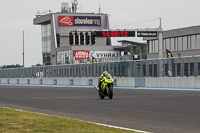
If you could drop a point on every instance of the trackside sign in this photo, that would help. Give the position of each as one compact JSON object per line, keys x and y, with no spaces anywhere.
{"x":147,"y":33}
{"x":106,"y":54}
{"x":79,"y":20}
{"x":80,"y":55}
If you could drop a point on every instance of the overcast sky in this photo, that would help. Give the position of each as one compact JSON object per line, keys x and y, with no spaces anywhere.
{"x":18,"y":15}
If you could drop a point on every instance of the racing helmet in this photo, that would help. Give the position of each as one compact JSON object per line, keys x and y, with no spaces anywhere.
{"x":105,"y":73}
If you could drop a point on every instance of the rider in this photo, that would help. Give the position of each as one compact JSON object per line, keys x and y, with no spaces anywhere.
{"x":104,"y":74}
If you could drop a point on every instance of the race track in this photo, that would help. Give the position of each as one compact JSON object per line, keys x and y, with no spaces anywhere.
{"x":158,"y":111}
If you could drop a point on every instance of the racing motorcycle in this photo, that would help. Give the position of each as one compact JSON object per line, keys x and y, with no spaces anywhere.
{"x":107,"y":84}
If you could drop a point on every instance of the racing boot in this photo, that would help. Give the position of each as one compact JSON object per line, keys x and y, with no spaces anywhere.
{"x":97,"y":88}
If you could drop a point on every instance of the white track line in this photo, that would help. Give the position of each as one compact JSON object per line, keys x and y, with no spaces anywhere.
{"x":140,"y":131}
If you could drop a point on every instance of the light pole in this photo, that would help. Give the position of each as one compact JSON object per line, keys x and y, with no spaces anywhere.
{"x":160,"y":47}
{"x":160,"y":40}
{"x":23,"y":49}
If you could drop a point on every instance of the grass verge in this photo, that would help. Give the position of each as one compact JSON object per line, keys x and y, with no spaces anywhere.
{"x":13,"y":121}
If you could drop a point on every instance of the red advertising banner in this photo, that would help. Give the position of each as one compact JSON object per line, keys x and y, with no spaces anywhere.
{"x":66,"y":20}
{"x":80,"y":55}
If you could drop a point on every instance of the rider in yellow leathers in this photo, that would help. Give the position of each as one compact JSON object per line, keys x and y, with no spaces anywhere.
{"x":101,"y":84}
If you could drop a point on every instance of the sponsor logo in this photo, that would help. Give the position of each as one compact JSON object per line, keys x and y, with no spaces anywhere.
{"x":147,"y":34}
{"x":107,"y":55}
{"x":90,"y":82}
{"x":71,"y":82}
{"x":66,"y":20}
{"x":79,"y":20}
{"x":55,"y":82}
{"x":41,"y":81}
{"x":28,"y":81}
{"x":79,"y":55}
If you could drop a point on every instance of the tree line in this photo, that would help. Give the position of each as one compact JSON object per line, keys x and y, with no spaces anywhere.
{"x":16,"y":66}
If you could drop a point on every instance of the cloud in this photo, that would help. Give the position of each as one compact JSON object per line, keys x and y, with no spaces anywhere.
{"x":17,"y":16}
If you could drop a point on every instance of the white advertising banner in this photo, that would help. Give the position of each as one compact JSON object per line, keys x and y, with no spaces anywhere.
{"x":105,"y":54}
{"x":100,"y":56}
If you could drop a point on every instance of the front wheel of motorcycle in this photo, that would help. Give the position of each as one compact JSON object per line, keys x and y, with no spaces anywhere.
{"x":101,"y":95}
{"x":110,"y":95}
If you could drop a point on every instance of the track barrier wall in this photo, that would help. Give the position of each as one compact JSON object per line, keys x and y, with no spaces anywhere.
{"x":174,"y":67}
{"x":85,"y":81}
{"x":161,"y":82}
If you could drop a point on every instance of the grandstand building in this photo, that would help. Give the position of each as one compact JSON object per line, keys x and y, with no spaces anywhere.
{"x":55,"y":28}
{"x":181,"y":42}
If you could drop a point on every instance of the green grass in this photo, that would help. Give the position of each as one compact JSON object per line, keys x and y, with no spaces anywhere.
{"x":12,"y":121}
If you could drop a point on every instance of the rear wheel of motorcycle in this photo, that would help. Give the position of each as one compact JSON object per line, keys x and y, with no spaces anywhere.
{"x":110,"y":93}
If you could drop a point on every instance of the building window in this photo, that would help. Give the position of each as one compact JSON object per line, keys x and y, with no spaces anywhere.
{"x":198,"y":41}
{"x":164,"y":45}
{"x":150,"y":46}
{"x":153,"y":46}
{"x":172,"y":44}
{"x":176,"y":44}
{"x":189,"y":42}
{"x":180,"y":43}
{"x":63,"y":57}
{"x":167,"y":44}
{"x":46,"y":43}
{"x":193,"y":42}
{"x":185,"y":43}
{"x":156,"y":46}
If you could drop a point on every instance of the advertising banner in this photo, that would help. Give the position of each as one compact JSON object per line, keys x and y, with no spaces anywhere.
{"x":55,"y":81}
{"x":80,"y":55}
{"x":41,"y":81}
{"x":28,"y":81}
{"x":147,"y":33}
{"x":105,"y":54}
{"x":79,"y":20}
{"x":89,"y":81}
{"x":71,"y":81}
{"x":115,"y":82}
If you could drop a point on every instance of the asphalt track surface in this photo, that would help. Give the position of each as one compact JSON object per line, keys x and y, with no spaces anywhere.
{"x":158,"y":111}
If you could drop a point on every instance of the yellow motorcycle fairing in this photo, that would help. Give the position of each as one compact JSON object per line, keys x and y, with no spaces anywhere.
{"x":106,"y":81}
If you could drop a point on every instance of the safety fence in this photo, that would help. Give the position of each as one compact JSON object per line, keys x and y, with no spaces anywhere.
{"x":182,"y":67}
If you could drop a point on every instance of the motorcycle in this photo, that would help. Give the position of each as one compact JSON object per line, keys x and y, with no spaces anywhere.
{"x":107,"y":85}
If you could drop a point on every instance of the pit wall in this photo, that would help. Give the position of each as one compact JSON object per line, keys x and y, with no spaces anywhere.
{"x":126,"y":82}
{"x":173,"y":82}
{"x":163,"y":82}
